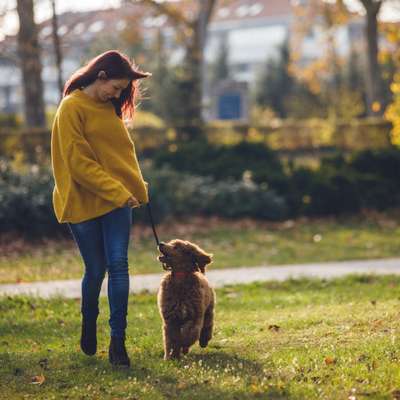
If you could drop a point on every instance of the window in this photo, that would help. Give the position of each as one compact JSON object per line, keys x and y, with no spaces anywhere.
{"x":62,"y":30}
{"x":121,"y":25}
{"x":96,"y":27}
{"x":79,"y":28}
{"x":223,"y":12}
{"x":242,"y":10}
{"x":255,"y":9}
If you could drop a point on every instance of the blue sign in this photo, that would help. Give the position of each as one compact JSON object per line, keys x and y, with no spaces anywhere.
{"x":229,"y":106}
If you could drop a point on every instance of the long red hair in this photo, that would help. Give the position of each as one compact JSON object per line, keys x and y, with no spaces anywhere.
{"x":116,"y":65}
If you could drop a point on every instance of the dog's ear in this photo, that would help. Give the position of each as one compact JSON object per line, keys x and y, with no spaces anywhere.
{"x":201,"y":258}
{"x":203,"y":261}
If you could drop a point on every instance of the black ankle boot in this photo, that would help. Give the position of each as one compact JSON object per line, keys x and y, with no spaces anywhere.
{"x":117,"y":354}
{"x":88,"y":336}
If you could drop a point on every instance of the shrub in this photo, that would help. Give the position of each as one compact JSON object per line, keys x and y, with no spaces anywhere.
{"x":26,"y":199}
{"x":178,"y":194}
{"x":9,"y":121}
{"x":333,"y":195}
{"x":369,"y":179}
{"x":225,"y":162}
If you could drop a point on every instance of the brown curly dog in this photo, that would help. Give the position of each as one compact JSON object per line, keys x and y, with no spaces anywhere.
{"x":185,"y":298}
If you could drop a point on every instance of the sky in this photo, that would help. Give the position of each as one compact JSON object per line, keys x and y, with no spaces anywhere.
{"x":43,"y":11}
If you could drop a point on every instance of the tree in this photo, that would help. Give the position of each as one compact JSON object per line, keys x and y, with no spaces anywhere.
{"x":57,"y":48}
{"x":276,"y":84}
{"x":327,"y":76}
{"x":190,"y":20}
{"x":220,"y":68}
{"x":393,"y":110}
{"x":374,"y":79}
{"x":30,"y":62}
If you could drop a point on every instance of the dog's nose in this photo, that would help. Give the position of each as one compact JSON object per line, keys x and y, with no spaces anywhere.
{"x":161,"y":244}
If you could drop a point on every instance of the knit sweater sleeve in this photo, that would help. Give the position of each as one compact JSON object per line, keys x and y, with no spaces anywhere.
{"x":80,"y":160}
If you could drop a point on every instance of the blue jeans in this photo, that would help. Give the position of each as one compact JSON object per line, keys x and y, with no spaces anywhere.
{"x":103,"y":244}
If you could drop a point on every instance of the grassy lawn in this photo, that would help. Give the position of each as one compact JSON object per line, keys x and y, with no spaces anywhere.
{"x":300,"y":339}
{"x":234,"y":244}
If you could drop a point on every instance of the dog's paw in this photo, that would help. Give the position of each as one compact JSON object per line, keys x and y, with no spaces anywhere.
{"x":173,"y":355}
{"x":204,"y":339}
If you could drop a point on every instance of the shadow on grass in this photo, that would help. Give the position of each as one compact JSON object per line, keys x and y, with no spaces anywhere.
{"x":65,"y":371}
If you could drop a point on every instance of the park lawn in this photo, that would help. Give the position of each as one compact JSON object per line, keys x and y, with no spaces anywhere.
{"x":298,"y":339}
{"x":234,"y":244}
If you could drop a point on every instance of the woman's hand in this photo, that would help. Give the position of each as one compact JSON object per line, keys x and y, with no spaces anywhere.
{"x":132,"y":202}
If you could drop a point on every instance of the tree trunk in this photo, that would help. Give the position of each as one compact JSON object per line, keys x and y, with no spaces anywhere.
{"x":57,"y":49}
{"x":374,"y":78}
{"x":194,"y":71}
{"x":193,"y":123}
{"x":29,"y":57}
{"x":192,"y":32}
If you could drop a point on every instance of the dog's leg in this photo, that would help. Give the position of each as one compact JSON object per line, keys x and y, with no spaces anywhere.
{"x":172,"y":341}
{"x":206,"y":331}
{"x":191,"y":333}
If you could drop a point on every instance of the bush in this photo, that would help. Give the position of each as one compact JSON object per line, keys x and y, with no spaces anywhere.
{"x":369,"y":179}
{"x":333,"y":195}
{"x":385,"y":164}
{"x":225,"y":162}
{"x":26,"y":199}
{"x":178,"y":194}
{"x":9,"y":121}
{"x":378,"y":179}
{"x":340,"y":186}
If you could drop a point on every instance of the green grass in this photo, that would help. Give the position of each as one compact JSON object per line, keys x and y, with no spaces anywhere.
{"x":300,"y":339}
{"x":234,"y":244}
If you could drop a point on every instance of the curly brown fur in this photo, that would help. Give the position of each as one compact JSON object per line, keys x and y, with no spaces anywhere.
{"x":185,"y":299}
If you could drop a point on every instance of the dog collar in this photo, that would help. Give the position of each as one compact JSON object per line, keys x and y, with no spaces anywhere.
{"x":181,"y":274}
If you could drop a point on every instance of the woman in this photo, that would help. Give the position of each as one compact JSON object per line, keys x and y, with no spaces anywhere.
{"x":97,"y":183}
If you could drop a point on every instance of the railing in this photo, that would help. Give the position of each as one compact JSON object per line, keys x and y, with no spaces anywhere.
{"x":287,"y":137}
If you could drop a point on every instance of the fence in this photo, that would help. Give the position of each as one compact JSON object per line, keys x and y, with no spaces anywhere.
{"x":289,"y":138}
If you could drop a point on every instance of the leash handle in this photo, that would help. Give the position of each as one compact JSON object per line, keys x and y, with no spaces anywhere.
{"x":152,"y":223}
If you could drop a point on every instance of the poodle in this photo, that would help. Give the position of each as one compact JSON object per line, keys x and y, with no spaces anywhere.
{"x":185,"y":299}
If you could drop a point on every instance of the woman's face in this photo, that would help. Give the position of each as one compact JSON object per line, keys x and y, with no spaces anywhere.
{"x":111,"y":88}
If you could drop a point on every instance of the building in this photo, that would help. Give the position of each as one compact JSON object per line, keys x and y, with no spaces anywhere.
{"x":252,"y":30}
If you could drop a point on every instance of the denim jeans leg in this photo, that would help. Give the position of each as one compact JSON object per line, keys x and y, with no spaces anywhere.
{"x":116,"y":232}
{"x":89,"y":238}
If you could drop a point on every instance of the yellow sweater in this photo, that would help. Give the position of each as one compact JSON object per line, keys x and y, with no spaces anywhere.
{"x":93,"y":158}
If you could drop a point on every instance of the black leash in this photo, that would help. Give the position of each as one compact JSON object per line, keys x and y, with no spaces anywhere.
{"x":152,"y":223}
{"x":154,"y":231}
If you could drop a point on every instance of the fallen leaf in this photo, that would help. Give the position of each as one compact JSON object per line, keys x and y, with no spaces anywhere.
{"x":274,"y":328}
{"x":38,"y":379}
{"x":181,"y":385}
{"x":330,"y":360}
{"x":396,"y":394}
